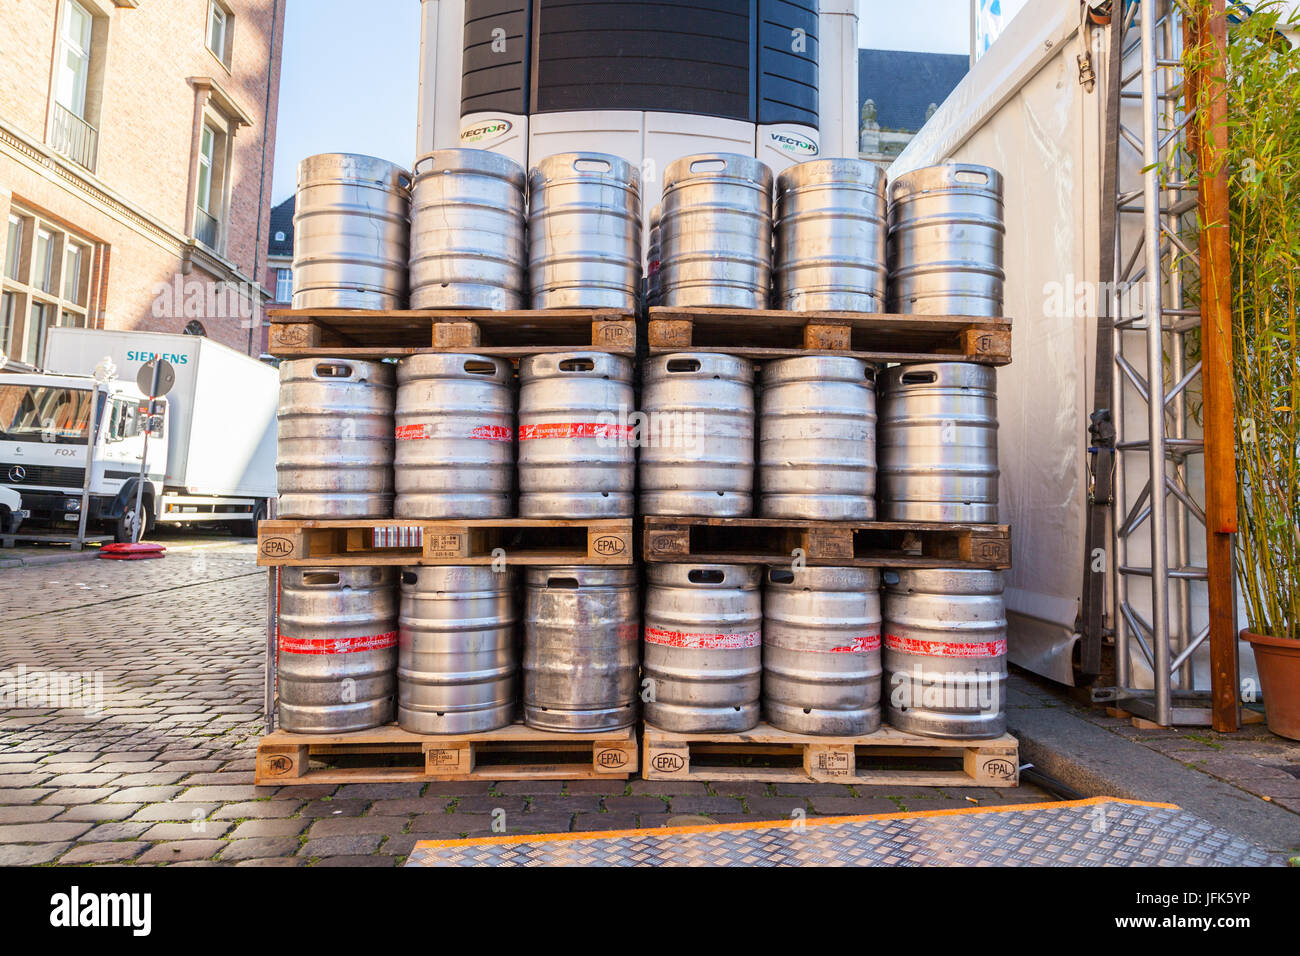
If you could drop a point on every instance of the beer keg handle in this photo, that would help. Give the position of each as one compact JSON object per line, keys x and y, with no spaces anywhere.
{"x":321,"y":580}
{"x":415,"y":170}
{"x":706,"y":576}
{"x":333,"y":371}
{"x":968,"y":175}
{"x":919,"y":377}
{"x":682,"y":365}
{"x":710,"y":164}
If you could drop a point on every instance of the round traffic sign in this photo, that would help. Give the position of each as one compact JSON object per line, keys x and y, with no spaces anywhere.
{"x":166,"y":377}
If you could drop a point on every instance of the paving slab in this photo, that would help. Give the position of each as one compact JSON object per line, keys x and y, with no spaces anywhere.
{"x":1060,"y":741}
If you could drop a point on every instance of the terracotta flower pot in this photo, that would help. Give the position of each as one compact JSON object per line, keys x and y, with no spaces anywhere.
{"x":1278,"y":660}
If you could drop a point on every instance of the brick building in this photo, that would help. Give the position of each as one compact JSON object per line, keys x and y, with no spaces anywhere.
{"x":136,"y":149}
{"x":278,"y":278}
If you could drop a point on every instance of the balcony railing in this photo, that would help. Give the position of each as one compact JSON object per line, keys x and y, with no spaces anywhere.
{"x":206,"y":229}
{"x":74,"y":137}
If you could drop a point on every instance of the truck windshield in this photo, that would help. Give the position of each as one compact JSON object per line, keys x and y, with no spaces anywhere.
{"x":44,"y":413}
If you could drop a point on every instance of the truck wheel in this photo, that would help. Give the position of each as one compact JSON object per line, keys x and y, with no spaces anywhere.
{"x":249,"y":529}
{"x":124,"y":527}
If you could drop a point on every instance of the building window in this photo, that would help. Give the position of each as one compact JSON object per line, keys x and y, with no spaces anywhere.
{"x":283,"y":285}
{"x":217,"y":119}
{"x":194,"y":327}
{"x":34,"y":339}
{"x":13,"y":247}
{"x":72,"y":259}
{"x":43,"y":261}
{"x":206,"y":225}
{"x":207,"y":145}
{"x":47,"y":282}
{"x":74,"y":58}
{"x":8,"y":303}
{"x":73,"y":132}
{"x":220,"y":25}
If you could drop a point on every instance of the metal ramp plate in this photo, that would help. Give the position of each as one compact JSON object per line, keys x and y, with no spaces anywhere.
{"x":1097,"y":832}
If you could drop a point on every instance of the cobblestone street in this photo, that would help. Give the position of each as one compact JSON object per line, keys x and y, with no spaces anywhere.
{"x":164,"y":773}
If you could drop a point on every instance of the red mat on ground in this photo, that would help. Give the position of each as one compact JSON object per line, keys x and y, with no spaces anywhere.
{"x":132,"y":552}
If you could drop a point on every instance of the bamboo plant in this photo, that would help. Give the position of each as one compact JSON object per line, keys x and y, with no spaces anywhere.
{"x":1263,"y":165}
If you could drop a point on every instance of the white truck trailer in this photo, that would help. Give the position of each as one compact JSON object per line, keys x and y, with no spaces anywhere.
{"x":211,"y":454}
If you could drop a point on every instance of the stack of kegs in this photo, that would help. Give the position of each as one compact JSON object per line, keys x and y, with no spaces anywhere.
{"x":814,"y":437}
{"x":461,"y":435}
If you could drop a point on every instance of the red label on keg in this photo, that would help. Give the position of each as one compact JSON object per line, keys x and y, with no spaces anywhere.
{"x":703,"y":642}
{"x":574,"y":430}
{"x":482,"y":432}
{"x":337,"y":645}
{"x":859,"y":645}
{"x":910,"y":645}
{"x":411,"y":432}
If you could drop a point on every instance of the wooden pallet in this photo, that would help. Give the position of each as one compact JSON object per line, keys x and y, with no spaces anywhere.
{"x":771,"y":755}
{"x":392,"y":755}
{"x":857,"y":544}
{"x":403,"y":541}
{"x":369,"y":334}
{"x":771,"y":334}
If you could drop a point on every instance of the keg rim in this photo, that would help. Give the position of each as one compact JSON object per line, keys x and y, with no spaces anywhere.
{"x":617,"y":368}
{"x":391,"y":174}
{"x":737,"y":167}
{"x":425,"y":365}
{"x":502,"y":580}
{"x":823,"y":172}
{"x":942,"y":178}
{"x":655,"y":368}
{"x":589,"y":575}
{"x":803,"y":368}
{"x":743,"y":577}
{"x":349,"y":576}
{"x":378,"y":374}
{"x":461,"y":159}
{"x":560,"y":167}
{"x":940,"y":580}
{"x":947,"y":375}
{"x":821,"y":579}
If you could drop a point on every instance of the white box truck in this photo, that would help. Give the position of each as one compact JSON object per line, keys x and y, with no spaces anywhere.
{"x":211,"y":455}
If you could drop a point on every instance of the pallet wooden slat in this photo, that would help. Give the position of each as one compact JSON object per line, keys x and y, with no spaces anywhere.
{"x":863,"y":544}
{"x":283,"y":759}
{"x":479,"y":541}
{"x":372,"y":334}
{"x":878,"y":337}
{"x":850,"y":760}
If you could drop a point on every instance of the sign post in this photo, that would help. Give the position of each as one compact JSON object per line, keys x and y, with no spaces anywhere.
{"x":155,"y":379}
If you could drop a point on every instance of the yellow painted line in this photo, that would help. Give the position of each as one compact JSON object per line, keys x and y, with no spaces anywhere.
{"x":769,"y":824}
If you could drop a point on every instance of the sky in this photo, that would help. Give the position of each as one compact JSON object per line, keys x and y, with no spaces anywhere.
{"x":931,"y":26}
{"x":350,"y":83}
